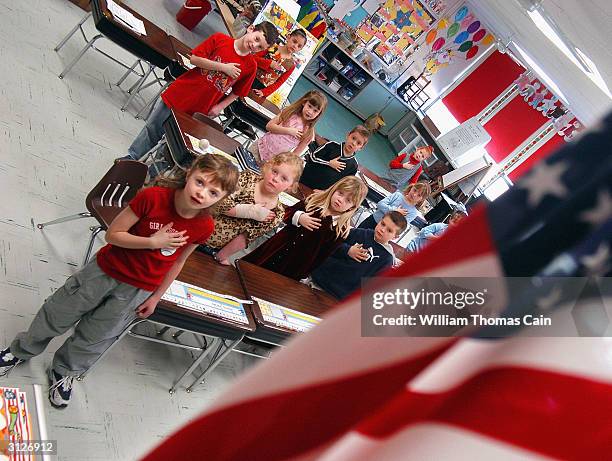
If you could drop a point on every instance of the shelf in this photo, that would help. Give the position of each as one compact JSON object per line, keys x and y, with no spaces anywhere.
{"x":333,"y":94}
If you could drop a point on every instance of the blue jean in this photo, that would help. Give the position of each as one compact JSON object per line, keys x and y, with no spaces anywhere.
{"x":152,"y":132}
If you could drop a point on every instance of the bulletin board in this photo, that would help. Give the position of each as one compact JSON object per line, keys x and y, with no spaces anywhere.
{"x":396,"y":24}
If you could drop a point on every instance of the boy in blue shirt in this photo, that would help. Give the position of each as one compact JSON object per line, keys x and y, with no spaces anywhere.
{"x":365,"y":253}
{"x":433,"y":232}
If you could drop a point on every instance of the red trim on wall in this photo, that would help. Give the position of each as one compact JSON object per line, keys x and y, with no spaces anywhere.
{"x":547,"y":148}
{"x":482,"y":86}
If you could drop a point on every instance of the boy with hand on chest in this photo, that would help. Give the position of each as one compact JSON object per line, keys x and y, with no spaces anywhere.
{"x":365,"y":253}
{"x":333,"y":161}
{"x":222,"y":64}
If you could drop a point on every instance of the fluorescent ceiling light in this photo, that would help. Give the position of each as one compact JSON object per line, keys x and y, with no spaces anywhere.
{"x":538,"y":70}
{"x":595,"y":76}
{"x":553,"y":32}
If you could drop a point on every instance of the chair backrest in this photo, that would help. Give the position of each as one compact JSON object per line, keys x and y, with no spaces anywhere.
{"x":115,"y":190}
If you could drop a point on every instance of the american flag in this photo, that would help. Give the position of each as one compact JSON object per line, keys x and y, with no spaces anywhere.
{"x":335,"y":395}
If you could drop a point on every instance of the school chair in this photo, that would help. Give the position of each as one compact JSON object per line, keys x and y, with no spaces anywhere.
{"x":108,"y":198}
{"x":237,"y":123}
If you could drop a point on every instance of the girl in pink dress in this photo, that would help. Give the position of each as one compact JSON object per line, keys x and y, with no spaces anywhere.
{"x":293,"y":129}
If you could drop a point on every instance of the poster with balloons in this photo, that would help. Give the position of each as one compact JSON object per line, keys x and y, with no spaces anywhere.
{"x":458,"y":38}
{"x":454,"y":42}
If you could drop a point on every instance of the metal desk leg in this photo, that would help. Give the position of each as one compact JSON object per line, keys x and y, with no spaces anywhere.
{"x":81,"y":53}
{"x":148,"y":107}
{"x":194,"y":365}
{"x":212,"y":365}
{"x":128,"y":72}
{"x":71,"y":33}
{"x":140,"y":83}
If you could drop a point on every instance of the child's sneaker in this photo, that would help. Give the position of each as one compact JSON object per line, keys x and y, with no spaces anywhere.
{"x":8,"y":361}
{"x":60,"y":389}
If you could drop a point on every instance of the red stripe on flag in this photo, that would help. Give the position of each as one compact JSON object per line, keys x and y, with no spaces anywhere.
{"x":287,"y":424}
{"x":469,"y":239}
{"x":555,"y":414}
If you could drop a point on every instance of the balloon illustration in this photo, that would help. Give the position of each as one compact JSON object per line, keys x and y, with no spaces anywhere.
{"x":438,"y":44}
{"x":478,"y":35}
{"x":471,"y":52}
{"x":461,"y":13}
{"x":488,"y":39}
{"x":465,"y":46}
{"x":473,"y":27}
{"x":462,"y":37}
{"x":442,"y":24}
{"x":431,"y":35}
{"x":452,"y":30}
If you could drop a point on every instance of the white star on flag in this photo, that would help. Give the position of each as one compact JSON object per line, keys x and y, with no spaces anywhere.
{"x":602,"y":210}
{"x":545,"y":180}
{"x":597,"y":263}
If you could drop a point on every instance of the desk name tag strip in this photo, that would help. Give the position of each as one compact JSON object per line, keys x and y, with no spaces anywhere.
{"x":208,"y":302}
{"x":15,"y":425}
{"x":287,"y":199}
{"x":258,"y":107}
{"x":127,"y":18}
{"x":284,"y":317}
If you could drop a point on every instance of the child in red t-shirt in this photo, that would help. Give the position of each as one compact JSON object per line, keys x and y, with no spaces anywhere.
{"x":148,"y":243}
{"x":274,"y":66}
{"x":222,"y":64}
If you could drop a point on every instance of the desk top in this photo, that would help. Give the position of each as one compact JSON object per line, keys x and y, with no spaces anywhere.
{"x":278,"y":289}
{"x":226,"y":16}
{"x":264,"y":103}
{"x":156,"y":39}
{"x":202,"y":271}
{"x":187,"y":124}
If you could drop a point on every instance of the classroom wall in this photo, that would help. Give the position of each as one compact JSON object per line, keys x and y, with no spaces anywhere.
{"x":338,"y":121}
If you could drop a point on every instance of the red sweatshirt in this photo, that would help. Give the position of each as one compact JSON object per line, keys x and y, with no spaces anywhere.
{"x":398,"y":163}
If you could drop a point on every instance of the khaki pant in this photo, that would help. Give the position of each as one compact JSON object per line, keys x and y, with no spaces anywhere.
{"x":100,"y":306}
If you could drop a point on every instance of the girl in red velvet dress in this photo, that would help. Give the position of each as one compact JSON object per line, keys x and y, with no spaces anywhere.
{"x":315,"y":228}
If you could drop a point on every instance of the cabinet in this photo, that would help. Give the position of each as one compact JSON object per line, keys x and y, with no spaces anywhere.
{"x":392,"y":114}
{"x":372,"y":99}
{"x":337,"y":73}
{"x":344,"y":79}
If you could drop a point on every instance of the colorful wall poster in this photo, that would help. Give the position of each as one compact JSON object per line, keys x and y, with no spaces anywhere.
{"x":397,"y":24}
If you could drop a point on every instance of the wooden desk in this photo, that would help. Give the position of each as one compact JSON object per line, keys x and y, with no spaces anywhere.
{"x":154,"y":47}
{"x":262,"y":101}
{"x":181,"y":150}
{"x":181,"y":52}
{"x":227,"y":17}
{"x":278,"y":289}
{"x":203,"y":272}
